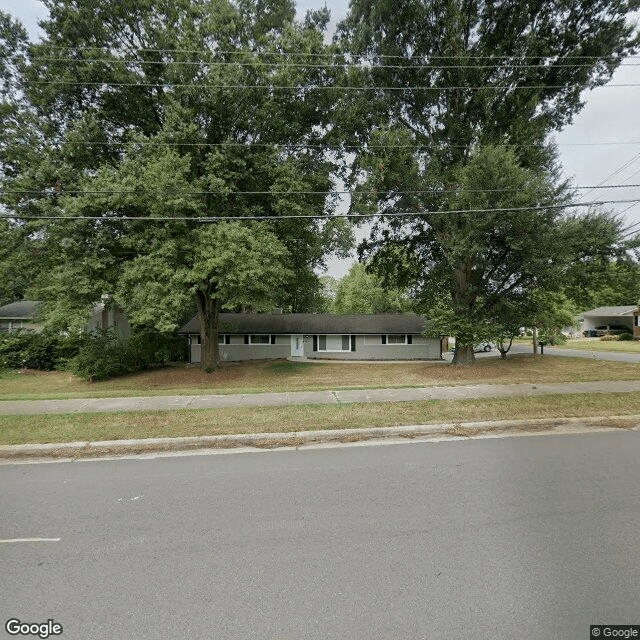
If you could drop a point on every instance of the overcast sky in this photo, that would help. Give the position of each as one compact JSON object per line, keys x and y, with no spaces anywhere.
{"x":611,"y":115}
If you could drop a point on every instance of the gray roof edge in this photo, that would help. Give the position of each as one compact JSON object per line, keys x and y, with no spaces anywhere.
{"x":611,"y":311}
{"x":19,"y":310}
{"x":289,"y":323}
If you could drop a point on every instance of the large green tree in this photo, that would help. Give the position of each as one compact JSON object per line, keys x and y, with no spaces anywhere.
{"x":362,"y":292}
{"x":450,"y":84}
{"x":605,"y":270}
{"x":175,"y":110}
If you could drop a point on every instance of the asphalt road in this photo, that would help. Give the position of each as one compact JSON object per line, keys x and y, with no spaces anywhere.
{"x":527,"y":538}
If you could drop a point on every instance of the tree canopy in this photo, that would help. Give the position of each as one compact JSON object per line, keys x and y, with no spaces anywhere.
{"x":142,"y":118}
{"x":362,"y":292}
{"x":463,"y":97}
{"x":147,"y":143}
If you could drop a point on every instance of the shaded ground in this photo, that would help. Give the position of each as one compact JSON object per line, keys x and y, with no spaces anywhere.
{"x":282,"y":375}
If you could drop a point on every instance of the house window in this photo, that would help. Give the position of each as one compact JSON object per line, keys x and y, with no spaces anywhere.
{"x":260,"y":339}
{"x":637,"y":321}
{"x":397,"y":338}
{"x":334,"y":343}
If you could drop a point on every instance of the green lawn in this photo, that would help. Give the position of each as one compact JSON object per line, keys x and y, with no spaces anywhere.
{"x":198,"y":422}
{"x":256,"y":377}
{"x":630,"y":346}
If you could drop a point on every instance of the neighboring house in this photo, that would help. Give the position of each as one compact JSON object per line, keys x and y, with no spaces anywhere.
{"x":21,"y":314}
{"x":105,"y":316}
{"x":257,"y":336}
{"x":614,"y":319}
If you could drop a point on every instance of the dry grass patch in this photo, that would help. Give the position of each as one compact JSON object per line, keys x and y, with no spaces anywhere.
{"x":281,"y":375}
{"x":155,"y":424}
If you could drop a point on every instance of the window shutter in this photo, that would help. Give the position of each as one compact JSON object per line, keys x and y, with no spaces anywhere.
{"x":353,"y":343}
{"x":409,"y":339}
{"x":246,"y":339}
{"x":315,"y":343}
{"x":384,"y":339}
{"x":227,"y":339}
{"x":273,"y":339}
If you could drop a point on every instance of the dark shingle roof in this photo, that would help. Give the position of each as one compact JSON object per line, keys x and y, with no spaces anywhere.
{"x":310,"y":323}
{"x":23,"y":309}
{"x":611,"y":311}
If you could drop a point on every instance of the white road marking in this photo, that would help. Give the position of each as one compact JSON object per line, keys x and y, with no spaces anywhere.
{"x":31,"y":540}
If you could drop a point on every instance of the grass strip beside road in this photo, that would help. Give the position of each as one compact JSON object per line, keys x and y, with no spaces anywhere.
{"x":200,"y":422}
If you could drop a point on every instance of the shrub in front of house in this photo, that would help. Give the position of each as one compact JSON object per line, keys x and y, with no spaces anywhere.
{"x":37,"y":350}
{"x":609,"y":338}
{"x":625,"y":336}
{"x":106,"y":354}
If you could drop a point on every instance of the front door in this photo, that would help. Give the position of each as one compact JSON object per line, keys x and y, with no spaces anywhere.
{"x":297,"y":346}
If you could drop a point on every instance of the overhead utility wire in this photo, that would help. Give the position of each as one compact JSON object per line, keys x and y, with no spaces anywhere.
{"x":326,"y":65}
{"x":272,"y":87}
{"x":621,"y":185}
{"x":445,"y":191}
{"x":636,"y":232}
{"x":275,"y":145}
{"x":333,"y":55}
{"x":615,"y":172}
{"x":631,"y":226}
{"x":320,"y":216}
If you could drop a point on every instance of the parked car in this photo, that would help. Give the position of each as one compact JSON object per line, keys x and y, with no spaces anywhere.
{"x":484,"y":346}
{"x":612,"y":329}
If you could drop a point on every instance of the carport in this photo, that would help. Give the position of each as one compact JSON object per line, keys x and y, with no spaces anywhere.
{"x":611,"y":320}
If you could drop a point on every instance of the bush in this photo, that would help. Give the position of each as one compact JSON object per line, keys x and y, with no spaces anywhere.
{"x":626,"y":336}
{"x":609,"y":338}
{"x":553,"y":339}
{"x":33,"y":350}
{"x":106,"y":354}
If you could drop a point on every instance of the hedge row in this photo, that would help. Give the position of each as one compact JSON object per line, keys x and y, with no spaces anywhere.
{"x":31,"y":350}
{"x":91,"y":356}
{"x":106,"y":354}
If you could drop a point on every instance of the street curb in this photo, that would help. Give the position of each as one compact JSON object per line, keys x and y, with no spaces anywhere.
{"x":75,"y":450}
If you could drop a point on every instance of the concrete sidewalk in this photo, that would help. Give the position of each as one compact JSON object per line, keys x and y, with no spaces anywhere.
{"x":168,"y":403}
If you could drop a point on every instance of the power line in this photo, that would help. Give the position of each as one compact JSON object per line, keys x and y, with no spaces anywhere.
{"x":632,"y":233}
{"x":616,"y":171}
{"x":621,"y":185}
{"x":394,"y":214}
{"x":333,"y":55}
{"x":271,"y":87}
{"x":327,"y":65}
{"x":631,"y":226}
{"x":445,"y":191}
{"x":277,"y":146}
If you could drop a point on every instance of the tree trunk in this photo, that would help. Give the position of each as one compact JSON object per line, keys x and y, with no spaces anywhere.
{"x":504,"y":350}
{"x":209,"y":315}
{"x":535,"y":341}
{"x":463,"y":354}
{"x":462,"y":303}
